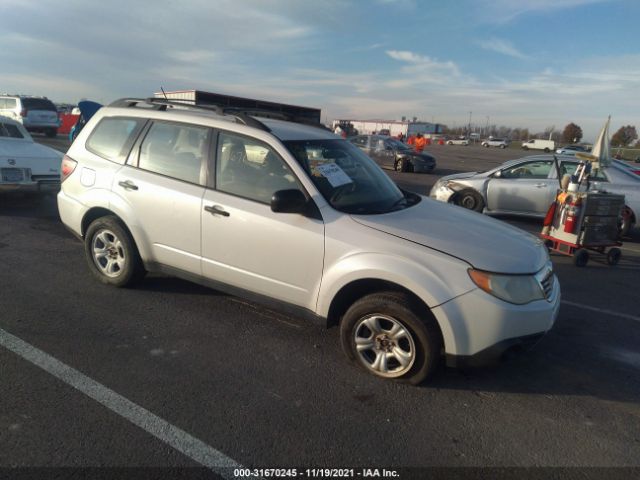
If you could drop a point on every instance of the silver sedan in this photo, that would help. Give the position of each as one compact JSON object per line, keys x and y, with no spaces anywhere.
{"x":527,"y":186}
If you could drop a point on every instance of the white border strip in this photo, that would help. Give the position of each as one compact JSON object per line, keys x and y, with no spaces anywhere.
{"x":156,"y":426}
{"x":602,"y":310}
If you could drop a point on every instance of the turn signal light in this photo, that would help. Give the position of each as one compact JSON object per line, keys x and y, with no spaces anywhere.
{"x":67,"y":167}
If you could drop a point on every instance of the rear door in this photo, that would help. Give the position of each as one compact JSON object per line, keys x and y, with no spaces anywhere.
{"x":522,"y":188}
{"x":163,"y":185}
{"x":244,"y":243}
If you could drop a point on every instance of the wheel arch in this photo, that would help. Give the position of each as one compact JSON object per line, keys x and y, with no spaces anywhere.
{"x":357,"y":289}
{"x":98,"y":212}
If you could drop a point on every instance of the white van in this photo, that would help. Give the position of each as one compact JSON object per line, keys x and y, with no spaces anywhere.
{"x":537,"y":144}
{"x":36,"y":114}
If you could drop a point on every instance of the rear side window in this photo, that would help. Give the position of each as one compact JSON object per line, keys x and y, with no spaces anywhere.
{"x":7,"y":103}
{"x":38,"y":104}
{"x":175,"y":150}
{"x":113,"y":137}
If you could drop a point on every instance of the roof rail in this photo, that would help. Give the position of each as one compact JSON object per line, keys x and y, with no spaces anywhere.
{"x":241,"y":116}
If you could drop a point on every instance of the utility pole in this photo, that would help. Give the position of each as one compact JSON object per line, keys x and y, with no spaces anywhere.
{"x":486,"y":132}
{"x":470,"y":123}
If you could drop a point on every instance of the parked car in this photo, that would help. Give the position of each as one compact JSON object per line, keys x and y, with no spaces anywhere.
{"x":389,"y":152}
{"x":458,"y":141}
{"x":527,"y":186}
{"x":572,"y":149}
{"x":495,"y":142}
{"x":26,"y":166}
{"x":36,"y":114}
{"x":537,"y":144}
{"x":292,"y":216}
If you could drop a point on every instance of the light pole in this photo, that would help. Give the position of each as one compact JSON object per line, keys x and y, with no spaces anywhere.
{"x":470,"y":123}
{"x":486,"y":130}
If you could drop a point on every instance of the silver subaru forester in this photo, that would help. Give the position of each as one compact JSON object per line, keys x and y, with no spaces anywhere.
{"x":295,"y":217}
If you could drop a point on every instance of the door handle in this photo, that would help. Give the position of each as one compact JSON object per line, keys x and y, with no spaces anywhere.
{"x":128,"y":185}
{"x":541,"y":185}
{"x":216,"y":210}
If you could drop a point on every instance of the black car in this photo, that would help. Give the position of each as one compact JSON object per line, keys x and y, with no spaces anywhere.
{"x":390,"y":152}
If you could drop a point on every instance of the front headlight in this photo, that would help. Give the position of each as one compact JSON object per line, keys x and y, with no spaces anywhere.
{"x":518,"y":289}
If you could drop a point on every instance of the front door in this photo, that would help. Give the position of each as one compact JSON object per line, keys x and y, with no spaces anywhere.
{"x":244,"y":243}
{"x":522,"y":188}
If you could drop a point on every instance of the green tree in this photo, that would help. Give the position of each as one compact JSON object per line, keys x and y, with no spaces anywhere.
{"x":572,"y":133}
{"x":624,"y":136}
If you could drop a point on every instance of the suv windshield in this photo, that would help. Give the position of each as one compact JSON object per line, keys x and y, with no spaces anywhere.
{"x":349,"y":180}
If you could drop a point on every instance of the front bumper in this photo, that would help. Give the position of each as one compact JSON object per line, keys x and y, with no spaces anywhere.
{"x":478,"y":329}
{"x":423,"y":167}
{"x":441,"y":193}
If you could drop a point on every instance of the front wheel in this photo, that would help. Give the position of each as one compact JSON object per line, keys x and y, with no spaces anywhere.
{"x":503,"y":146}
{"x":525,"y":148}
{"x":470,"y":199}
{"x":402,"y":165}
{"x":390,"y":336}
{"x":112,"y":254}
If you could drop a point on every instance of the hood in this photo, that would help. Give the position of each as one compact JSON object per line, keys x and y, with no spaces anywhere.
{"x":42,"y":160}
{"x":483,"y":242}
{"x":458,"y":176}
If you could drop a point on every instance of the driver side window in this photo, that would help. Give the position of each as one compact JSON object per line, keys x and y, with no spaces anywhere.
{"x":250,"y":169}
{"x":531,"y":170}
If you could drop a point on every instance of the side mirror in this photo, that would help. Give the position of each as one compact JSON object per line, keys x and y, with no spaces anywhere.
{"x":498,"y":174}
{"x":288,"y":201}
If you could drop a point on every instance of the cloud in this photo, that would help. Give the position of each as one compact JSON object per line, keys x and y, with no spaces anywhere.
{"x":502,"y":11}
{"x":433,"y":68}
{"x":501,"y":46}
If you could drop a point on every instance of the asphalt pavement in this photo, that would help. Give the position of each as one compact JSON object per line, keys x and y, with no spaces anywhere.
{"x":267,"y":390}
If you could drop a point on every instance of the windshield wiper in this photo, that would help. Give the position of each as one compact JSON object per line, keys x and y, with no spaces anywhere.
{"x":400,"y":202}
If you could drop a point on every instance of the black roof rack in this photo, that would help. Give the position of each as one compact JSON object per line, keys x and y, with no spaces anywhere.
{"x":161,"y":104}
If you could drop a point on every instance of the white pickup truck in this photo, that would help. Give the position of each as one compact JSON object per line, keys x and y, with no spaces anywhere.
{"x":536,"y":144}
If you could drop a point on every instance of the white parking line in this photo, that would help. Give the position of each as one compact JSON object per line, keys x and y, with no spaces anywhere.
{"x":156,"y":426}
{"x":602,"y":310}
{"x":630,"y":249}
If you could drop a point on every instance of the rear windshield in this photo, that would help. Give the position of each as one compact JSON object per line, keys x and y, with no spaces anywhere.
{"x":38,"y":104}
{"x":10,"y":130}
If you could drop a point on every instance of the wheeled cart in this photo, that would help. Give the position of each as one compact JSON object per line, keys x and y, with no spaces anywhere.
{"x":585,"y":222}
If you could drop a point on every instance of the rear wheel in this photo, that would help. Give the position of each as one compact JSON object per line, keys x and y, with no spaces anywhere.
{"x":503,"y":146}
{"x":546,"y":150}
{"x":390,"y":336}
{"x":112,"y":254}
{"x":580,"y":257}
{"x":613,"y":256}
{"x":470,"y":199}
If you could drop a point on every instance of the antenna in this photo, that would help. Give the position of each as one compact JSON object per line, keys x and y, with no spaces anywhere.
{"x":163,"y":92}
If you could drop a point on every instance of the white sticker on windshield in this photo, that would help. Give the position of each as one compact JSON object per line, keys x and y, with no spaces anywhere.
{"x":334,"y":174}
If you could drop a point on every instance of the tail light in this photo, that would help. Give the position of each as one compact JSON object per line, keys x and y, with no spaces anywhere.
{"x":23,"y":112}
{"x":67,"y":167}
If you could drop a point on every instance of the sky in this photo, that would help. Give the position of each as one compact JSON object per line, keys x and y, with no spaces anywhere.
{"x":519,"y":63}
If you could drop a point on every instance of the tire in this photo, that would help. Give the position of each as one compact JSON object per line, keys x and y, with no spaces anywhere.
{"x":580,"y":257}
{"x":411,"y":356}
{"x":449,"y":143}
{"x":401,"y":165}
{"x":470,"y":199}
{"x":613,"y":256}
{"x":503,"y":146}
{"x":525,"y":148}
{"x":486,"y":145}
{"x":112,"y":254}
{"x":51,"y":132}
{"x":626,"y":223}
{"x":546,"y":150}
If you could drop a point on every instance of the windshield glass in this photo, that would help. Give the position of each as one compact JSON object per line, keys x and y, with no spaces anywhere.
{"x":397,"y":144}
{"x":349,"y":180}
